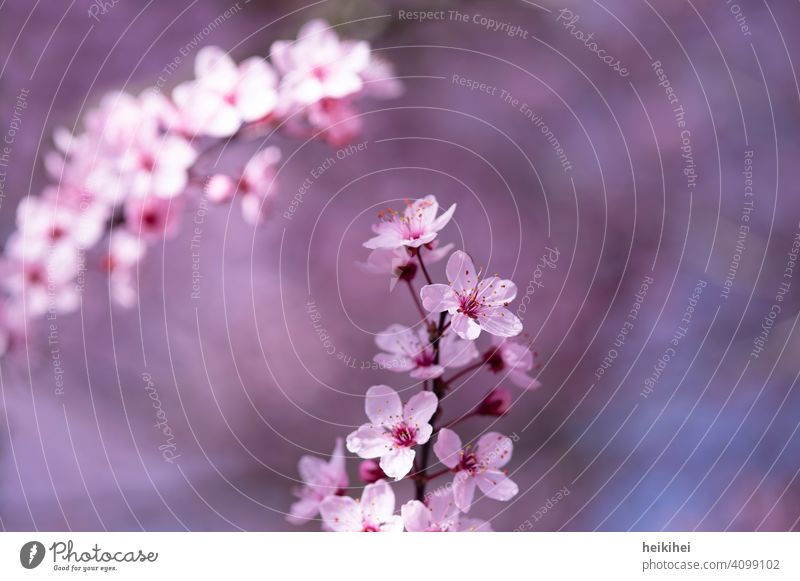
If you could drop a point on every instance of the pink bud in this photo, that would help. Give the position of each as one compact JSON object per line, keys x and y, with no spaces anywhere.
{"x":496,"y":403}
{"x":370,"y":471}
{"x":220,"y":188}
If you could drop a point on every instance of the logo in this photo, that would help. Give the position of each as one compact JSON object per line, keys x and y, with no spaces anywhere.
{"x":31,"y":554}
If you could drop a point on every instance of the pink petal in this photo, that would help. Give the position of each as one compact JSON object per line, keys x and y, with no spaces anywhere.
{"x":448,"y":448}
{"x":369,"y":441}
{"x":523,"y":380}
{"x":465,"y":327}
{"x":416,"y":516}
{"x":501,"y":322}
{"x":420,"y":408}
{"x":377,"y":502}
{"x":461,"y":273}
{"x":256,"y":96}
{"x":494,"y":450}
{"x":312,"y":469}
{"x":396,"y":363}
{"x":397,"y":463}
{"x":216,"y":68}
{"x":495,"y":484}
{"x":303,"y":511}
{"x":463,"y":491}
{"x":497,"y":292}
{"x":341,"y":514}
{"x":399,"y":339}
{"x":442,"y":220}
{"x":383,"y":405}
{"x":438,"y":297}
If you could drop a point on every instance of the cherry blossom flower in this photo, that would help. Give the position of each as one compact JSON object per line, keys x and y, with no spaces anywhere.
{"x":42,"y":276}
{"x":474,"y":304}
{"x":393,"y":430}
{"x":224,"y":95}
{"x":401,"y":264}
{"x":374,"y":512}
{"x":438,"y":513}
{"x":379,"y":79}
{"x":47,"y":220}
{"x":319,"y":65}
{"x":479,"y":466}
{"x":152,"y":218}
{"x":513,"y":358}
{"x":411,"y":351}
{"x":125,"y":252}
{"x":320,"y":480}
{"x":254,"y":186}
{"x":496,"y":403}
{"x":416,"y":226}
{"x":157,"y":164}
{"x":336,"y":121}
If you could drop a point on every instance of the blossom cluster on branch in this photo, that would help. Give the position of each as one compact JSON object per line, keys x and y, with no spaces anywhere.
{"x":396,"y":441}
{"x":120,"y":183}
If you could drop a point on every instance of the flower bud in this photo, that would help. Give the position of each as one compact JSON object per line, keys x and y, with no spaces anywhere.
{"x":496,"y":403}
{"x":370,"y":471}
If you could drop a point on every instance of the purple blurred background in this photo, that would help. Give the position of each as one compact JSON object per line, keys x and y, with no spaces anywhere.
{"x":702,"y":436}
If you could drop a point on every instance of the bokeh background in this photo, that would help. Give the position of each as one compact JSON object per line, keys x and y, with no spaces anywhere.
{"x":242,"y":376}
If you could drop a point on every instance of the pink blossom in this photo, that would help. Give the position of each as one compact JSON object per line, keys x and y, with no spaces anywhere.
{"x":514,"y":360}
{"x":41,"y":276}
{"x":496,"y":403}
{"x":48,"y":220}
{"x":438,"y":513}
{"x":125,"y":252}
{"x":336,"y":121}
{"x":393,"y":430}
{"x":374,"y":512}
{"x":370,"y":471}
{"x":380,"y":80}
{"x":224,"y":95}
{"x":479,"y":466}
{"x":254,"y":185}
{"x":416,"y":226}
{"x":401,"y":263}
{"x":319,"y":65}
{"x":151,"y":217}
{"x":320,"y":480}
{"x":157,"y":164}
{"x":411,"y":351}
{"x":474,"y":304}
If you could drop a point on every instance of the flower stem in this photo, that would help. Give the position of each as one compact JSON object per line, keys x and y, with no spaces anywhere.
{"x":416,"y":299}
{"x":422,"y":265}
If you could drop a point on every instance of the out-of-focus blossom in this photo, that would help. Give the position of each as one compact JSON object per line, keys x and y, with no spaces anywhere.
{"x":157,"y":164}
{"x":254,"y":186}
{"x":411,"y":351}
{"x":416,"y":226}
{"x":514,"y":360}
{"x":401,"y":263}
{"x":374,"y":512}
{"x":224,"y":96}
{"x":370,"y":471}
{"x":394,"y":430}
{"x":152,"y":218}
{"x":125,"y":252}
{"x":41,"y":276}
{"x":479,"y":466}
{"x":46,"y":220}
{"x":320,"y":480}
{"x":496,"y":403}
{"x":318,"y":65}
{"x":379,"y":79}
{"x":474,"y":304}
{"x":336,"y":120}
{"x":438,"y":513}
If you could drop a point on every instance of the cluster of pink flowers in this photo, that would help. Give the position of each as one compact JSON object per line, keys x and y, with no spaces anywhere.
{"x":396,"y":440}
{"x":120,"y":183}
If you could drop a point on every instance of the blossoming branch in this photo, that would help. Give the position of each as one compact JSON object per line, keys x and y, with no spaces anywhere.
{"x":400,"y":436}
{"x":121,"y":182}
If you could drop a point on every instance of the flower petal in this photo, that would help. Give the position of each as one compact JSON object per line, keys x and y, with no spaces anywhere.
{"x":465,"y":327}
{"x":377,"y":502}
{"x":369,"y":441}
{"x":495,"y":484}
{"x":461,"y":273}
{"x":500,"y":321}
{"x":397,"y":463}
{"x":463,"y":491}
{"x":448,"y":448}
{"x":416,"y":516}
{"x":420,"y":408}
{"x":341,"y":514}
{"x":438,"y":297}
{"x":494,"y":450}
{"x":383,"y":405}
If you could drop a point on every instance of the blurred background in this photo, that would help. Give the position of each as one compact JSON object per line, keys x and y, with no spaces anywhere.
{"x":676,"y":420}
